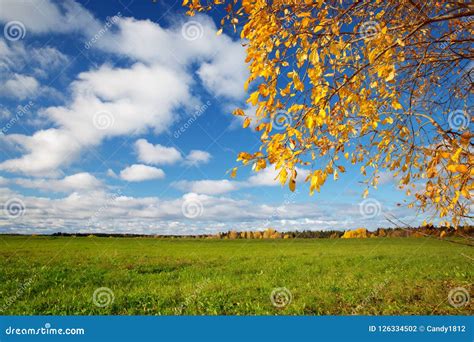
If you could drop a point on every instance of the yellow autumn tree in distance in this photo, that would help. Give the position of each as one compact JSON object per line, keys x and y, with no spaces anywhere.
{"x":385,"y":85}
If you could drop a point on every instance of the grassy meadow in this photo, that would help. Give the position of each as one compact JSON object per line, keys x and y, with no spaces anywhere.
{"x":152,"y":276}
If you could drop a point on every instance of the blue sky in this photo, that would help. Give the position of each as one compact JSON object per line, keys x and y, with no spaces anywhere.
{"x":116,"y":118}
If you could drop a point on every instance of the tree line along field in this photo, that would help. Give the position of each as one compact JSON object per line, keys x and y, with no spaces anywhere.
{"x":147,"y":276}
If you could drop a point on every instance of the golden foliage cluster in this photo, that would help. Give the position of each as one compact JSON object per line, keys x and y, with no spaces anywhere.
{"x":359,"y":233}
{"x":372,"y":83}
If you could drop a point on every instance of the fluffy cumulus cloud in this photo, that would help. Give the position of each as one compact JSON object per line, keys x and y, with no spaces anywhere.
{"x":266,"y":177}
{"x":220,"y":60}
{"x":192,"y":213}
{"x":196,"y":157}
{"x":115,"y":101}
{"x":25,"y":70}
{"x":207,"y":186}
{"x":46,"y":16}
{"x":163,"y":155}
{"x":140,"y":173}
{"x":16,"y":57}
{"x":106,"y":102}
{"x":269,"y":177}
{"x":80,"y":182}
{"x":156,"y":154}
{"x":20,"y":87}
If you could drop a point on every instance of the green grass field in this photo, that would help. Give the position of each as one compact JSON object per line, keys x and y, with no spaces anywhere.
{"x":149,"y":276}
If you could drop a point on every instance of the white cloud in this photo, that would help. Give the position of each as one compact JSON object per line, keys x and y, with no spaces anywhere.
{"x":140,"y":172}
{"x":5,"y":113}
{"x":264,"y":177}
{"x":46,"y":150}
{"x":46,"y":16}
{"x":20,"y":87}
{"x":161,"y":155}
{"x":130,"y":100}
{"x":111,"y":173}
{"x":78,"y":182}
{"x":23,"y":68}
{"x":196,"y":157}
{"x":207,"y":186}
{"x":98,"y":211}
{"x":221,"y":67}
{"x":156,"y":154}
{"x":387,"y":177}
{"x":106,"y":102}
{"x":14,"y":56}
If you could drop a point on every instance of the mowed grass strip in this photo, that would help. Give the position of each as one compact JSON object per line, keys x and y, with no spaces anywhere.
{"x":151,"y":276}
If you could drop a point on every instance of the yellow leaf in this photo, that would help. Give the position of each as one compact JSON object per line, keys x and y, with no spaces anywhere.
{"x":390,"y":76}
{"x":246,"y":123}
{"x":292,"y":184}
{"x":253,"y":99}
{"x":457,"y":168}
{"x":396,"y":105}
{"x":282,"y":176}
{"x":238,"y":112}
{"x":218,"y":33}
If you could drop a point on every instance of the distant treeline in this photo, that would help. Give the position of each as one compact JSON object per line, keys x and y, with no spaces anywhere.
{"x":270,"y":233}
